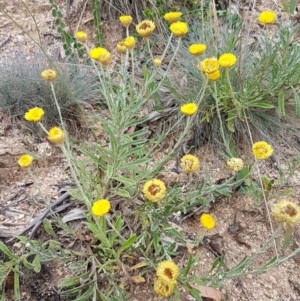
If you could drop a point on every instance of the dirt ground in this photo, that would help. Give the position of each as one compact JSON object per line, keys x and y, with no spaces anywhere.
{"x":23,"y":197}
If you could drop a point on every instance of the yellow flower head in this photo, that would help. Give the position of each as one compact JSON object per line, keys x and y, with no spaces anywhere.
{"x":190,"y":163}
{"x":101,"y":207}
{"x":197,"y":49}
{"x":129,"y":42}
{"x":267,"y":17}
{"x":34,"y":114}
{"x":179,"y":29}
{"x":262,"y":150}
{"x":286,"y":213}
{"x":121,"y":47}
{"x":48,"y":75}
{"x":167,"y":271}
{"x":155,"y":190}
{"x":125,"y":20}
{"x":213,"y":76}
{"x":157,"y":62}
{"x":56,"y":135}
{"x":172,"y":17}
{"x":145,"y":28}
{"x":235,"y":164}
{"x":209,"y":65}
{"x":100,"y":55}
{"x":81,"y":36}
{"x":189,"y":109}
{"x":25,"y":160}
{"x":207,"y":221}
{"x":227,"y":60}
{"x":164,"y":289}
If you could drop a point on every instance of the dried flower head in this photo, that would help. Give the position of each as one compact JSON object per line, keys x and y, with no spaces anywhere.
{"x":49,"y":75}
{"x":197,"y":49}
{"x":100,"y":55}
{"x":227,"y":60}
{"x":172,"y":17}
{"x":213,"y":76}
{"x":25,"y":160}
{"x":167,"y":271}
{"x":34,"y":114}
{"x":235,"y":164}
{"x":207,"y":221}
{"x":179,"y":29}
{"x":262,"y":150}
{"x":157,"y":62}
{"x":189,"y":109}
{"x":190,"y":163}
{"x":164,"y":289}
{"x":209,"y":65}
{"x":154,"y":190}
{"x":129,"y":42}
{"x":145,"y":28}
{"x":125,"y":20}
{"x":286,"y":213}
{"x":81,"y":36}
{"x":101,"y":207}
{"x":56,"y":135}
{"x":267,"y":17}
{"x":121,"y":47}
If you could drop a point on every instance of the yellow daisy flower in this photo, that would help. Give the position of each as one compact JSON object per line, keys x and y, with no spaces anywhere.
{"x":235,"y":164}
{"x":145,"y":28}
{"x":56,"y":135}
{"x":101,"y":207}
{"x":25,"y":160}
{"x":34,"y":114}
{"x":101,"y":55}
{"x":262,"y":150}
{"x":162,"y":288}
{"x":172,"y":17}
{"x":189,"y":163}
{"x":48,"y":75}
{"x":125,"y":20}
{"x":81,"y":36}
{"x":154,"y":190}
{"x":207,"y":221}
{"x":189,"y":109}
{"x":129,"y":42}
{"x":267,"y":17}
{"x":197,"y":49}
{"x":179,"y":29}
{"x":167,"y":271}
{"x":121,"y":47}
{"x":209,"y":65}
{"x":157,"y":62}
{"x":213,"y":76}
{"x":227,"y":60}
{"x":286,"y":213}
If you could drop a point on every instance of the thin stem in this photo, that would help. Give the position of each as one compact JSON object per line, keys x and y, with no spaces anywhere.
{"x":167,"y":47}
{"x":220,"y":120}
{"x":261,"y":184}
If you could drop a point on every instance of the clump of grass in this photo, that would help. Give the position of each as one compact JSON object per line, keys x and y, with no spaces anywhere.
{"x":22,"y":87}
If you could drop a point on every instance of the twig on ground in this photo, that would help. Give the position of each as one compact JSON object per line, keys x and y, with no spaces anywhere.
{"x":5,"y":41}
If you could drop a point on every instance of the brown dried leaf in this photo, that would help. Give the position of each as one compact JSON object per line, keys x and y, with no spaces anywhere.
{"x":208,"y":292}
{"x":138,"y":265}
{"x":138,"y":279}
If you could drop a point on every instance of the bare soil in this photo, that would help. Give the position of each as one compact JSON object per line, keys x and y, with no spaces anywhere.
{"x":21,"y":200}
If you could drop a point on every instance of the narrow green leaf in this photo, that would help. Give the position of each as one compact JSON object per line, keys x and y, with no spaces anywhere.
{"x":124,"y":180}
{"x":48,"y":227}
{"x":293,"y":4}
{"x":270,"y":262}
{"x":127,"y":244}
{"x":281,"y":109}
{"x":122,"y":192}
{"x":17,"y":283}
{"x":297,"y":103}
{"x":7,"y":252}
{"x":36,"y":263}
{"x":285,"y":5}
